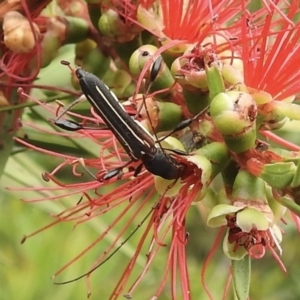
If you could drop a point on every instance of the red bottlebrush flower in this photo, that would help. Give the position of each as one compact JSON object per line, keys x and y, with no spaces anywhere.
{"x":20,"y":64}
{"x":166,"y":214}
{"x":192,"y":21}
{"x":270,"y":50}
{"x":25,"y":48}
{"x":121,"y":185}
{"x":21,"y":44}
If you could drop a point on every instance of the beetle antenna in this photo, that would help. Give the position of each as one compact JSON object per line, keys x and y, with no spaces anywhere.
{"x":113,"y":253}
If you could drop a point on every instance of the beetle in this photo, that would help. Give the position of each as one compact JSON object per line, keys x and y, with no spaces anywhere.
{"x":134,"y":138}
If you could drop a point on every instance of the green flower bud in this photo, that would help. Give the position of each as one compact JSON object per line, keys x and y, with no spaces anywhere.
{"x":125,"y":49}
{"x":214,"y":78}
{"x":188,"y":73}
{"x":234,"y":115}
{"x":273,"y":116}
{"x":278,"y":175}
{"x":140,"y":57}
{"x":241,"y":143}
{"x":204,"y":165}
{"x":164,"y":78}
{"x":249,"y":188}
{"x":260,"y":97}
{"x":83,"y":48}
{"x":195,"y":99}
{"x":233,"y":112}
{"x":121,"y":81}
{"x":169,"y":116}
{"x":51,"y":42}
{"x":77,"y":30}
{"x":111,"y":25}
{"x":165,"y":187}
{"x":229,"y":174}
{"x":172,"y":143}
{"x":96,"y":62}
{"x":284,"y":109}
{"x":218,"y":155}
{"x":164,"y":116}
{"x":176,"y":70}
{"x":231,"y":75}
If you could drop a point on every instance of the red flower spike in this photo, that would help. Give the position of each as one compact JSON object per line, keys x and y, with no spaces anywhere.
{"x":165,"y":208}
{"x":270,"y":51}
{"x":14,"y":64}
{"x":108,"y":251}
{"x":192,"y":21}
{"x":17,"y":68}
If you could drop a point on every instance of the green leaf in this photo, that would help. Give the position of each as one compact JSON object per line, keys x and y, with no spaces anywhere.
{"x":241,"y":271}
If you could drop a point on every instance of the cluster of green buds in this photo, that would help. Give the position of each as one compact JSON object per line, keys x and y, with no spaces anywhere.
{"x":202,"y":107}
